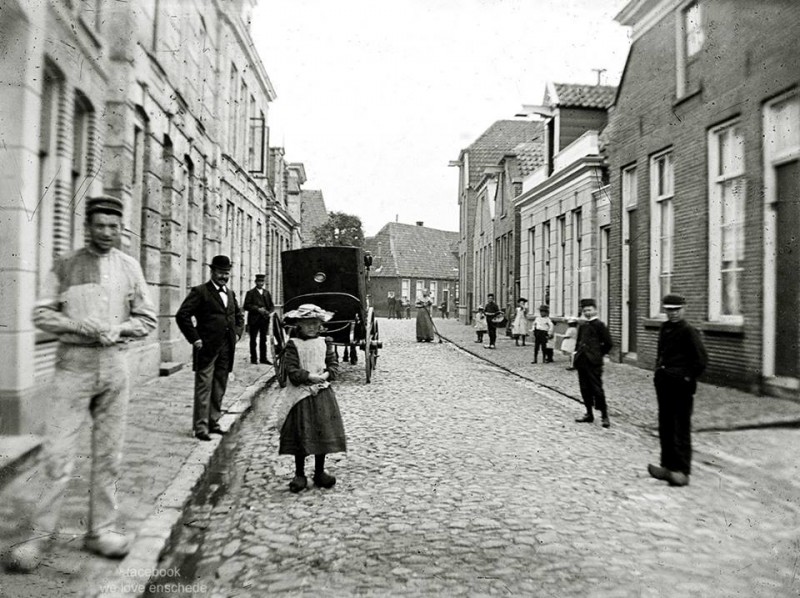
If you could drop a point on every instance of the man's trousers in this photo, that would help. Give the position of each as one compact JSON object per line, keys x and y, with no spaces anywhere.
{"x":260,"y":332}
{"x":590,"y":380}
{"x":88,"y":381}
{"x":210,"y":384}
{"x":675,"y":403}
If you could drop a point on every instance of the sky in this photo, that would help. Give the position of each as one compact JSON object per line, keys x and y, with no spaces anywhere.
{"x":375,"y":97}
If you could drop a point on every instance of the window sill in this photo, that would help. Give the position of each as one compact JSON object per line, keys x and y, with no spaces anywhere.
{"x":722,"y":328}
{"x":687,"y":96}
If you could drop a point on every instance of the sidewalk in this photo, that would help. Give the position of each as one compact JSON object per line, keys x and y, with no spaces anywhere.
{"x":162,"y":463}
{"x":629,"y":389}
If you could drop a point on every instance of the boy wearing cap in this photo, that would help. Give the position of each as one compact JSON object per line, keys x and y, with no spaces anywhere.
{"x":543,"y":329}
{"x":680,"y":359}
{"x":95,"y":301}
{"x":220,"y":324}
{"x":593,"y":343}
{"x":258,"y":305}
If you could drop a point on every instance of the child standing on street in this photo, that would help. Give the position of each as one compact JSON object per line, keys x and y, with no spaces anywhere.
{"x":480,"y":324}
{"x":543,"y":328}
{"x":569,"y":341}
{"x":308,"y":415}
{"x":519,"y":329}
{"x":593,"y":343}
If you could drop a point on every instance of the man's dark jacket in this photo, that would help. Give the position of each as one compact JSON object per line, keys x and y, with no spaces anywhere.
{"x":592,"y":343}
{"x":216,"y":324}
{"x":252,"y":301}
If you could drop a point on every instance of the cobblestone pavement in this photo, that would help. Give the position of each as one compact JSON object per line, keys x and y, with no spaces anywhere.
{"x":464,"y":480}
{"x":158,"y":441}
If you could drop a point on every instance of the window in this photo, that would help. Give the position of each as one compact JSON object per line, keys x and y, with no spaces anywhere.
{"x":81,"y":168}
{"x":405,"y":288}
{"x":258,"y":144}
{"x":532,"y":266}
{"x":433,"y":289}
{"x":726,"y":213}
{"x":420,"y":289}
{"x":546,"y":264}
{"x":561,"y":304}
{"x":233,"y":108}
{"x":630,"y":256}
{"x":690,"y":38}
{"x":577,"y":253}
{"x":605,"y":272}
{"x":693,"y":29}
{"x":661,"y":229}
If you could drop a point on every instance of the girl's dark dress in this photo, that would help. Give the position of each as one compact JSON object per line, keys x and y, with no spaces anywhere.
{"x":314,"y":425}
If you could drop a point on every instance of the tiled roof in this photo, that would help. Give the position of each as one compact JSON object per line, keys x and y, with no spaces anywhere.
{"x":312,"y":213}
{"x":580,"y":96}
{"x":410,"y":251}
{"x":530,"y":156}
{"x":498,"y":140}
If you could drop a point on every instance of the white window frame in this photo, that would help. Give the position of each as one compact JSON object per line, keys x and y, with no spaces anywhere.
{"x":660,"y":196}
{"x":405,"y":288}
{"x":434,"y":287}
{"x":689,"y":41}
{"x":724,"y":171}
{"x":577,"y":257}
{"x":419,"y":290}
{"x":630,"y":199}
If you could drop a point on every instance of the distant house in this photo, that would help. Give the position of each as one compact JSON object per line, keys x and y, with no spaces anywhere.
{"x":408,"y":259}
{"x":312,"y":214}
{"x":484,"y":153}
{"x":564,"y":208}
{"x":704,"y":157}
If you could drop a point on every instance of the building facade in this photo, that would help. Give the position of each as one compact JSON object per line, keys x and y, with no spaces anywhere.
{"x":409,"y":259}
{"x":564,"y":208}
{"x":484,"y":153}
{"x":163,"y":104}
{"x":704,"y":157}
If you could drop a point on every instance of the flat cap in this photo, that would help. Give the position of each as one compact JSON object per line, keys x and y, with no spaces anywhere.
{"x":673,"y":301}
{"x":105,"y":204}
{"x":261,"y":277}
{"x":588,"y":302}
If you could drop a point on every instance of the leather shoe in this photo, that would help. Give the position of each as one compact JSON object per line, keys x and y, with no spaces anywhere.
{"x":110,"y":544}
{"x":266,"y":362}
{"x":677,"y":478}
{"x":298,"y":483}
{"x":606,"y":422}
{"x":658,"y":472}
{"x":254,"y":361}
{"x":217,"y":430}
{"x":324,"y":480}
{"x":586,"y":419}
{"x":201,"y":435}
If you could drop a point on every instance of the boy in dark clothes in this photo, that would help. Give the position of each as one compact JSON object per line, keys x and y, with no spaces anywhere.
{"x":594,"y":342}
{"x":680,"y":359}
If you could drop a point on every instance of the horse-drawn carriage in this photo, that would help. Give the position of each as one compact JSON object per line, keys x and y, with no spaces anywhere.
{"x":336,"y":279}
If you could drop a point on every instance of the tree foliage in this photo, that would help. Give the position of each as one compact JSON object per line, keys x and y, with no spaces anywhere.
{"x":343,"y":230}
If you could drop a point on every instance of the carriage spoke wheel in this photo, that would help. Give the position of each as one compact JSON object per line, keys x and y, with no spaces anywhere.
{"x":371,"y":344}
{"x":277,"y":341}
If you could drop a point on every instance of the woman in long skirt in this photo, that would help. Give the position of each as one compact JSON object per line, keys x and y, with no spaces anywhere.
{"x":425,"y":330}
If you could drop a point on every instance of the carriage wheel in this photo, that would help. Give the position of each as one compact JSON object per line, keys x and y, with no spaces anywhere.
{"x":277,"y":342}
{"x":371,"y":344}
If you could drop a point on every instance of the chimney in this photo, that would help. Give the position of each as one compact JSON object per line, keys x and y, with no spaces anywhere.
{"x":420,"y":223}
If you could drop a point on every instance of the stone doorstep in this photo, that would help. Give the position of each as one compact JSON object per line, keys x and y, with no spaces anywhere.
{"x":16,"y":452}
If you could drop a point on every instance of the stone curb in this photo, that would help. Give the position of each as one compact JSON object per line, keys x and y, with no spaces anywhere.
{"x":134,"y":573}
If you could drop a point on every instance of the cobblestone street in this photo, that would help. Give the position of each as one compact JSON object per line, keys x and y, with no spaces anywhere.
{"x":464,"y":480}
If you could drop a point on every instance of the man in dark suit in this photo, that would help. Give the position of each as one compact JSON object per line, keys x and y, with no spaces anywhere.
{"x":258,"y":305}
{"x":220,"y":324}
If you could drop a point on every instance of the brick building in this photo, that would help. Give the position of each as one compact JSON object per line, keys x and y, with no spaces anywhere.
{"x":163,"y":104}
{"x":484,"y":153}
{"x":704,"y":157}
{"x":564,"y":209}
{"x":408,"y":260}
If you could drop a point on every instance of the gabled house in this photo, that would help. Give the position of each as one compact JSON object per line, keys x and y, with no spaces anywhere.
{"x":485,"y":152}
{"x":704,"y":159}
{"x":408,"y":259}
{"x":564,"y":208}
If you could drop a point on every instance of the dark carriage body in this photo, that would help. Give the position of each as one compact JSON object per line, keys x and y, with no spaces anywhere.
{"x":335,"y":279}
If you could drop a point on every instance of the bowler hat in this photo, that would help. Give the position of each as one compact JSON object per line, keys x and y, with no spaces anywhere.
{"x":588,"y":303}
{"x":673,"y":301}
{"x":221,"y":262}
{"x":105,"y":204}
{"x":260,"y":277}
{"x":522,"y":300}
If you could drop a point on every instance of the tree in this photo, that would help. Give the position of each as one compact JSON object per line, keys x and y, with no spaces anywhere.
{"x":343,"y":230}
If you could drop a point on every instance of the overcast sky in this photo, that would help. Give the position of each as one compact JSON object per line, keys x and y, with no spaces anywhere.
{"x":375,"y":97}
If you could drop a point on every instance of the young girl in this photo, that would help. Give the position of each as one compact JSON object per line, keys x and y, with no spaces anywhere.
{"x":519,"y":329}
{"x":570,"y":338}
{"x":308,"y":415}
{"x":480,"y":324}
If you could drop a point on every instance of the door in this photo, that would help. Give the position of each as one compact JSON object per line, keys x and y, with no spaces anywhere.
{"x":787,"y":289}
{"x":633,"y":280}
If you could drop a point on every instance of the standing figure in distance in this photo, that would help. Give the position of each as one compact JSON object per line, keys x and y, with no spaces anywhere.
{"x":569,"y":341}
{"x":258,"y":305}
{"x":680,"y":359}
{"x":220,"y":324}
{"x":491,"y":309}
{"x":96,"y":300}
{"x":406,"y":305}
{"x":519,"y":329}
{"x":424,"y":319}
{"x":594,"y":343}
{"x":543,"y":329}
{"x":480,"y":324}
{"x":308,"y":415}
{"x":391,"y":305}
